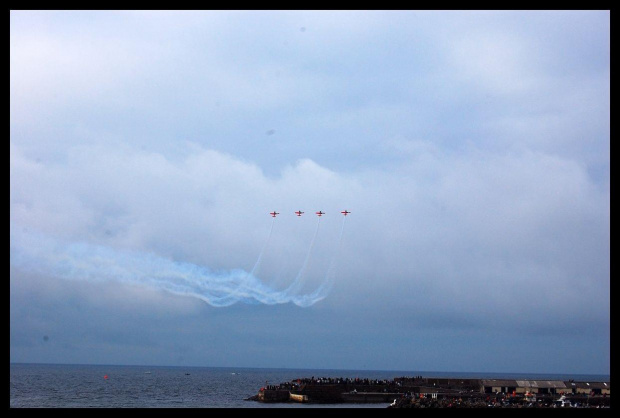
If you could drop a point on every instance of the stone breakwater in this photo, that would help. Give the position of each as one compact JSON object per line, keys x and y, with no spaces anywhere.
{"x":421,"y":392}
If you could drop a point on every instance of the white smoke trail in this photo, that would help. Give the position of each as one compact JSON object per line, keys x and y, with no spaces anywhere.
{"x":260,"y":257}
{"x":81,"y":261}
{"x":323,"y":290}
{"x":233,"y":297}
{"x":298,"y":282}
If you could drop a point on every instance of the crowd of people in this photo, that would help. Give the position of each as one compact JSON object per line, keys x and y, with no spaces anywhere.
{"x":342,"y":381}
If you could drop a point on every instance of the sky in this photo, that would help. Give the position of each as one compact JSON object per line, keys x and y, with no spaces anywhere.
{"x":472,"y":149}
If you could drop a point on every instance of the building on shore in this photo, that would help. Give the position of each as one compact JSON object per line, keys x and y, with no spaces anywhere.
{"x":545,"y":387}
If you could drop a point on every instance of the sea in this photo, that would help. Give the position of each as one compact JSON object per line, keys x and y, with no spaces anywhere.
{"x":113,"y":386}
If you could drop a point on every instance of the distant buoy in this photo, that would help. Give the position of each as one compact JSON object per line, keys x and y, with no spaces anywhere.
{"x":105,"y":376}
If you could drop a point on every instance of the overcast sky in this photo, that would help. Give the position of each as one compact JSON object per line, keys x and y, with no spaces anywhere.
{"x":471,"y":148}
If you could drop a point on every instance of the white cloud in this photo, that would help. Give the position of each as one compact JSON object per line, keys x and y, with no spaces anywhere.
{"x":515,"y":221}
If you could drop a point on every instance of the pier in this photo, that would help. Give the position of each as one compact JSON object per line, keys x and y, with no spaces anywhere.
{"x":422,"y":392}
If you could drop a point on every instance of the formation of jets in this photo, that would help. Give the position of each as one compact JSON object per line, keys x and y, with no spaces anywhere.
{"x":299,"y":213}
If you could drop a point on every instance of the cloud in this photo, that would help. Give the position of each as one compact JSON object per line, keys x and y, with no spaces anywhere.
{"x":131,"y":200}
{"x":436,"y":226}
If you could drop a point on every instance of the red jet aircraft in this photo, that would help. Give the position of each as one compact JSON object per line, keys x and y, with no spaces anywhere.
{"x":274,"y":213}
{"x":299,"y":213}
{"x":320,"y":213}
{"x":345,"y":212}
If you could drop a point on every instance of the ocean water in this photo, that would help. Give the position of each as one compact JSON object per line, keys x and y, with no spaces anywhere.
{"x":86,"y":386}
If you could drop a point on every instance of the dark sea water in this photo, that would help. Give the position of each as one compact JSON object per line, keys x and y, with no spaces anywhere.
{"x":85,"y":386}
